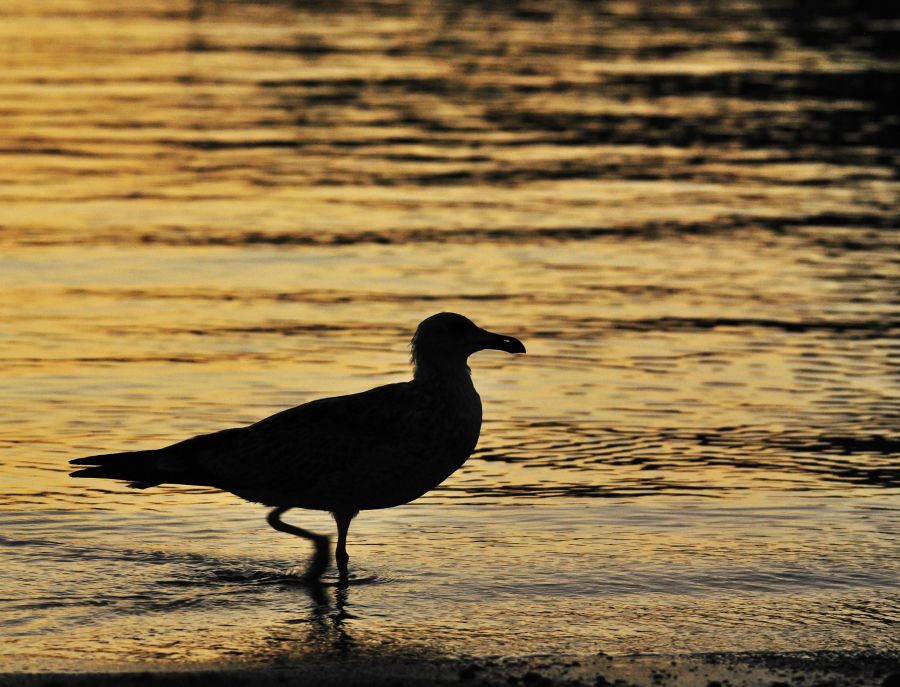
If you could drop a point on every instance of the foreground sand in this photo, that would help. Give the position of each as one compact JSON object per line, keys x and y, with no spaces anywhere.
{"x":818,"y":669}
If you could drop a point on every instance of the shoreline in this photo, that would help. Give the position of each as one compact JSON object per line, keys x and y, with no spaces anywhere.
{"x":753,"y":669}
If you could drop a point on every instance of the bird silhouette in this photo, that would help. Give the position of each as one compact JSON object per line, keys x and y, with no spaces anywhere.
{"x":376,"y":449}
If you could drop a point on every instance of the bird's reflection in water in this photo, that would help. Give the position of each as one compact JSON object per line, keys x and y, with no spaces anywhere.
{"x":329,"y":622}
{"x":328,"y":615}
{"x":334,"y":629}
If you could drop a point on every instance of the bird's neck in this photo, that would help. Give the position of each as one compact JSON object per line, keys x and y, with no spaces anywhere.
{"x":446,"y":376}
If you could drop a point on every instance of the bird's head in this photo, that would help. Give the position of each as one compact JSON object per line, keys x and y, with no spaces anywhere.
{"x":449,"y":339}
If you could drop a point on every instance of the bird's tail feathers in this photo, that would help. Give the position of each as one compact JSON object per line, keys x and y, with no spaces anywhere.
{"x":139,"y":468}
{"x":175,"y":464}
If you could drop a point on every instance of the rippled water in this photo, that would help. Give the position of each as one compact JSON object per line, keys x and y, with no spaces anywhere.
{"x":213,"y":210}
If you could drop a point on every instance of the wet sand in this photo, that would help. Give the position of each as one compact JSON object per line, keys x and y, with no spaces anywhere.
{"x":807,"y":669}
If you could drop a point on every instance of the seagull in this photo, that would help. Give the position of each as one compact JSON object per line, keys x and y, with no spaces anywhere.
{"x":376,"y":449}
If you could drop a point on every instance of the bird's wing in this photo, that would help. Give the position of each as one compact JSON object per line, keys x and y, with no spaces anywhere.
{"x":324,"y":445}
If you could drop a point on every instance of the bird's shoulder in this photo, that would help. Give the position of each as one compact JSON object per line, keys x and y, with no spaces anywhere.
{"x":375,"y":407}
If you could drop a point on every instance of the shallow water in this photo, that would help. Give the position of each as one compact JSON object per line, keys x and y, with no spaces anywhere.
{"x":215,"y":210}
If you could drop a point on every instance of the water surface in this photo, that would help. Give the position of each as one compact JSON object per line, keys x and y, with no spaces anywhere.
{"x":213,"y":210}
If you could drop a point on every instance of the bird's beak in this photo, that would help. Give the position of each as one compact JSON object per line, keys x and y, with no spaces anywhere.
{"x":499,"y":342}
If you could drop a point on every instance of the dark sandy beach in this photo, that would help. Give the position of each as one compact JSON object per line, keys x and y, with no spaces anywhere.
{"x":815,"y":669}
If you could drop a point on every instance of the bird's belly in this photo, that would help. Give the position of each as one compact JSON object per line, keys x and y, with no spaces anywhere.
{"x":369,"y":482}
{"x":406,"y":488}
{"x":385,"y":486}
{"x":380,"y":486}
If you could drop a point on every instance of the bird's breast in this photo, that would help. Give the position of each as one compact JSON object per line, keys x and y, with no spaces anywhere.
{"x":461,"y":412}
{"x":447,"y":436}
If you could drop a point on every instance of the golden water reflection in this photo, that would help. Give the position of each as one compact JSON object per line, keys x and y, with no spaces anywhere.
{"x":210,"y":211}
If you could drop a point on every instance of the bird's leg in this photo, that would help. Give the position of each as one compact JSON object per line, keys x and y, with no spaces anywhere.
{"x":343,"y":524}
{"x":322,"y":553}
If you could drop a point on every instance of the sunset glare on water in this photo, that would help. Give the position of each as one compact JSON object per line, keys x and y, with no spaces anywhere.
{"x":214,"y":210}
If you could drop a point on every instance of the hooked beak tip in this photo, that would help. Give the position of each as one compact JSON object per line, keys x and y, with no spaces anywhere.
{"x":514,"y":345}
